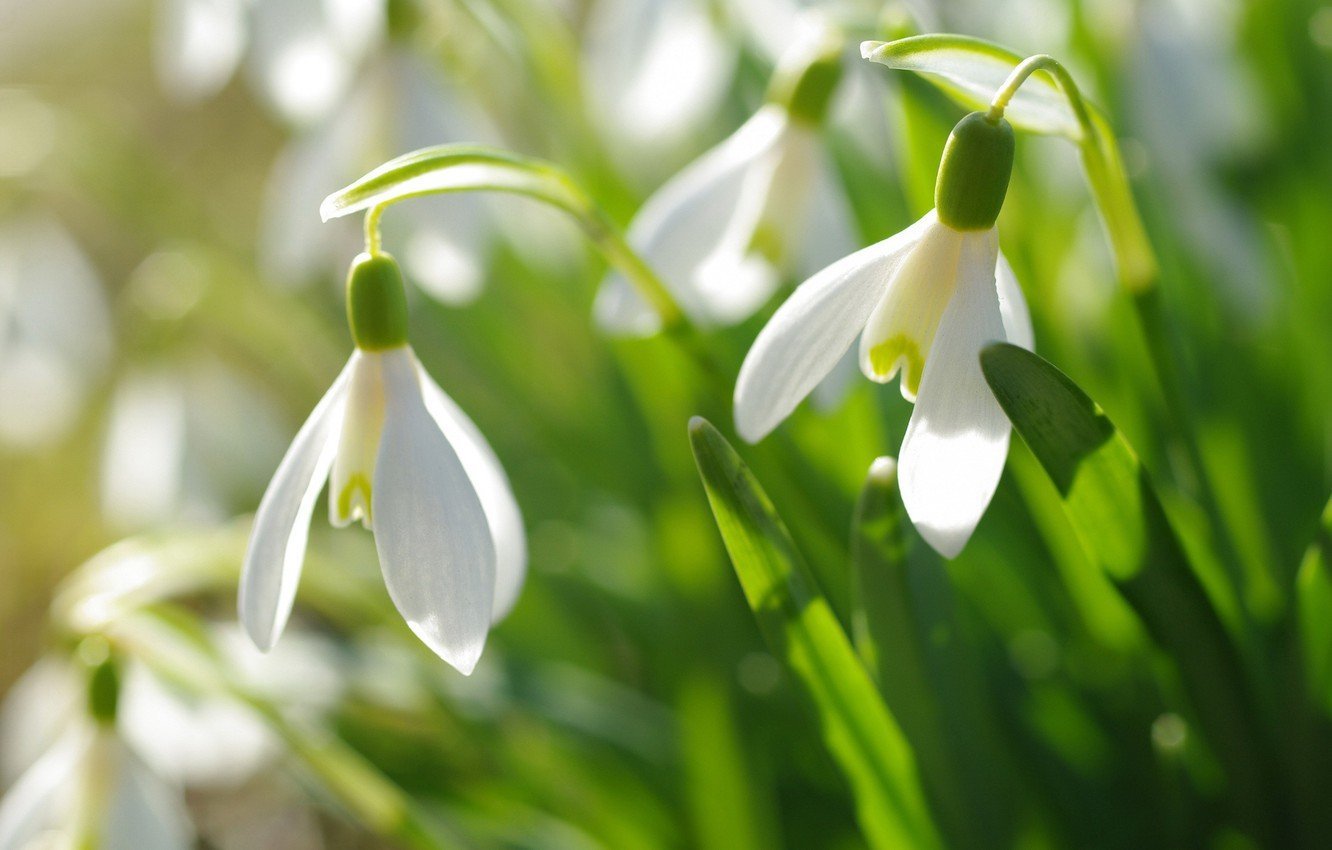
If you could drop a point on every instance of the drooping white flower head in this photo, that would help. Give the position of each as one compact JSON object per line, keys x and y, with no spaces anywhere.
{"x":727,"y":228}
{"x":406,"y":462}
{"x":88,"y":788}
{"x":923,"y":303}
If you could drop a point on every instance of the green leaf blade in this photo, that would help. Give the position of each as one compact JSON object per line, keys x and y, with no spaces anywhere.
{"x":802,"y":630}
{"x":1114,"y":508}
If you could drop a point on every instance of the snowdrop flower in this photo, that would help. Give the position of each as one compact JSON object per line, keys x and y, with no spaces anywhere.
{"x":89,"y":789}
{"x":923,"y":302}
{"x":406,"y":462}
{"x":724,"y":231}
{"x":55,"y":332}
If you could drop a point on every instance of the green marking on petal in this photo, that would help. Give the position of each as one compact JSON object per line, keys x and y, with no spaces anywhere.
{"x":885,"y":357}
{"x":767,"y":242}
{"x":357,"y":481}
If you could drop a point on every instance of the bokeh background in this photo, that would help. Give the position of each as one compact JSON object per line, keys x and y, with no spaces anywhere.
{"x":170,"y":311}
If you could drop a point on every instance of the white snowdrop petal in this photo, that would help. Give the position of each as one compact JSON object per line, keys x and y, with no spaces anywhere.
{"x":146,"y":812}
{"x":431,"y":531}
{"x":685,"y":221}
{"x":39,"y":799}
{"x":1013,"y":306}
{"x":957,"y":439}
{"x":276,"y":552}
{"x":492,"y":486}
{"x":809,"y":333}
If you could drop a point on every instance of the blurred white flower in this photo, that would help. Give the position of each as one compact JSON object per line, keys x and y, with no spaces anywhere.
{"x":180,"y":441}
{"x":406,"y":462}
{"x":656,"y":72}
{"x":208,"y":741}
{"x":724,"y":231}
{"x":923,"y":302}
{"x":55,"y":331}
{"x":89,"y":789}
{"x":301,"y":55}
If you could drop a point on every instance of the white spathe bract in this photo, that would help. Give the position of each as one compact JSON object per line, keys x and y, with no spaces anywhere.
{"x":923,"y":302}
{"x":724,"y":231}
{"x":405,"y":461}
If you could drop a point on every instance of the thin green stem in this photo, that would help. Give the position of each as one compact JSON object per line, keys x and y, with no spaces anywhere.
{"x":374,"y":241}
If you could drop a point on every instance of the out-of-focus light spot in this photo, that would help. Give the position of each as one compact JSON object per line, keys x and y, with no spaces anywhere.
{"x":307,"y":77}
{"x":1034,"y":654}
{"x":27,"y":132}
{"x":39,"y":398}
{"x":166,"y":285}
{"x":447,"y":271}
{"x":199,"y":44}
{"x":1320,"y":27}
{"x":759,"y":673}
{"x":1169,"y":733}
{"x":145,"y":443}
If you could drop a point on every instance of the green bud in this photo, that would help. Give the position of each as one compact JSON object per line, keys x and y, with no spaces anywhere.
{"x":103,"y":679}
{"x":376,"y":303}
{"x":804,"y":85}
{"x":973,"y":174}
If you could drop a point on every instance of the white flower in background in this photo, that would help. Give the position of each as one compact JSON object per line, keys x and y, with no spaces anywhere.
{"x":182,"y":442}
{"x":656,"y":71}
{"x":201,"y":742}
{"x":89,"y":789}
{"x":55,"y":331}
{"x":765,"y":203}
{"x":301,"y":55}
{"x":405,"y":461}
{"x":923,"y":302}
{"x":399,"y":103}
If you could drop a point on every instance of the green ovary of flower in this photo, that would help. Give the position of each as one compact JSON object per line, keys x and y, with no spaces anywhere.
{"x":357,"y":482}
{"x":885,"y":357}
{"x":376,"y":303}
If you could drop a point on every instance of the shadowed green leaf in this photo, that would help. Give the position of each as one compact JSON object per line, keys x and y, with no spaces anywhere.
{"x":1314,"y":594}
{"x":800,"y":627}
{"x":1117,"y":515}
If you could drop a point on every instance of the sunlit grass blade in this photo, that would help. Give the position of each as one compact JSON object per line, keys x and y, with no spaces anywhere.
{"x":1314,"y":595}
{"x":800,"y":627}
{"x":722,"y":792}
{"x":1116,"y":513}
{"x":900,"y":609}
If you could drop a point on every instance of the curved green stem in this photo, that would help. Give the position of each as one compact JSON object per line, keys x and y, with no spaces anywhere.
{"x":374,"y":240}
{"x":1135,"y":260}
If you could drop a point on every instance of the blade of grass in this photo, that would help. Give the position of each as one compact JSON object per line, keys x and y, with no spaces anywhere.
{"x":801,"y":629}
